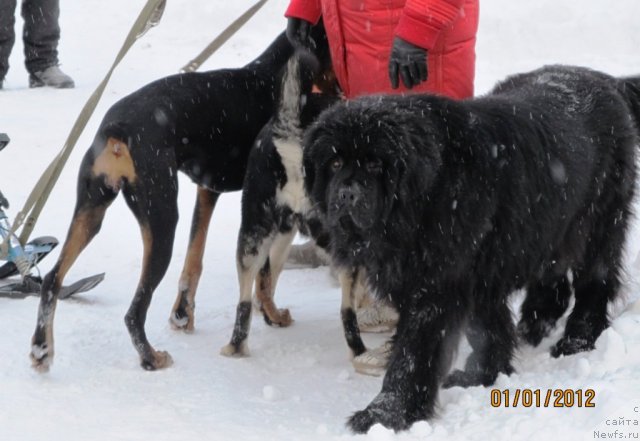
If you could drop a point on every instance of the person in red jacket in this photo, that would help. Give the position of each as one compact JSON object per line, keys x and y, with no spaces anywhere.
{"x":391,"y":46}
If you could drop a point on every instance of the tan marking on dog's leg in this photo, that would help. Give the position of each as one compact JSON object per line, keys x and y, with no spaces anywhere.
{"x":192,"y":269}
{"x":83,"y":227}
{"x":263,"y":285}
{"x":248,"y":266}
{"x":115,"y":163}
{"x":361,"y":295}
{"x":347,"y":288}
{"x":80,"y":233}
{"x":238,"y":346}
{"x":147,"y":244}
{"x":277,"y":257}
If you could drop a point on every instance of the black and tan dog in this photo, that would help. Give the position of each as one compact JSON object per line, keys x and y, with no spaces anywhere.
{"x":451,"y":206}
{"x":202,"y":124}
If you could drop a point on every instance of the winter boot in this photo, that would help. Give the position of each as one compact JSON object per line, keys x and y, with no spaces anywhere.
{"x":52,"y":76}
{"x":376,"y":317}
{"x":373,"y":362}
{"x":307,"y":255}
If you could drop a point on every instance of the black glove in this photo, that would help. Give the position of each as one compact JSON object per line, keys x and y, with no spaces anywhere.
{"x":407,"y":61}
{"x":299,"y":33}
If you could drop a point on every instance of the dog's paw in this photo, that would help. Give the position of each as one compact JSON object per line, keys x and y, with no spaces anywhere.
{"x":462,"y":379}
{"x":279,"y":317}
{"x":472,"y":378}
{"x":361,"y":421}
{"x":532,"y":332}
{"x":386,"y":409}
{"x":571,"y":345}
{"x":181,"y":322}
{"x":160,"y":360}
{"x":373,"y":362}
{"x":41,"y":357}
{"x":237,"y":351}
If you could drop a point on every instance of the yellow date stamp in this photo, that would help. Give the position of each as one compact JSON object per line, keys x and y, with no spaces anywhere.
{"x":543,"y":398}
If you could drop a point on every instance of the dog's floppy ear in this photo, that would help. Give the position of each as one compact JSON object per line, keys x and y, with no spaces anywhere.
{"x":308,"y":169}
{"x":313,"y":157}
{"x":415,"y":154}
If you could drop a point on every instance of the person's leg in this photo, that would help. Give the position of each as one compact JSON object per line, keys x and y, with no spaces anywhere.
{"x":7,"y":34}
{"x":41,"y":35}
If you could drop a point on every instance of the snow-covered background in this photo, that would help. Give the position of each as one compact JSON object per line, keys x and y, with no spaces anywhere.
{"x":298,"y":383}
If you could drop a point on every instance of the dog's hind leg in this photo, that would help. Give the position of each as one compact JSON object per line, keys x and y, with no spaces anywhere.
{"x":156,"y":210}
{"x":546,"y":301}
{"x":182,"y":315}
{"x":267,"y":280}
{"x":594,"y":288}
{"x":95,"y":192}
{"x":596,"y":283}
{"x":252,"y":254}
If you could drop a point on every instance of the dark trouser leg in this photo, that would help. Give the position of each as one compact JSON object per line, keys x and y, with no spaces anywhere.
{"x":41,"y":33}
{"x":7,"y":33}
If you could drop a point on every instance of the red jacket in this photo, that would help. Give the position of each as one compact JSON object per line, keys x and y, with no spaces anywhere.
{"x":361,"y":33}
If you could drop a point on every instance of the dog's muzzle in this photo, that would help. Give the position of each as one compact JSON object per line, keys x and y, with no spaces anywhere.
{"x":350,"y":210}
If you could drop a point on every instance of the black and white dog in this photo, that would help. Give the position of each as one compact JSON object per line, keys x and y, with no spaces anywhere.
{"x":452,"y":205}
{"x":274,"y":202}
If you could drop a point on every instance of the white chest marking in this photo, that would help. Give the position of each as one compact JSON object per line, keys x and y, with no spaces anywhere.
{"x":292,"y":194}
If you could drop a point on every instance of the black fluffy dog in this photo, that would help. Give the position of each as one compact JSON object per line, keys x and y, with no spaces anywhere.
{"x":450,"y":206}
{"x":202,"y":124}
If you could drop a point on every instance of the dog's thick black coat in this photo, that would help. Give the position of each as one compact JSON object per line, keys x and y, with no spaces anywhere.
{"x":451,"y":206}
{"x":202,"y":124}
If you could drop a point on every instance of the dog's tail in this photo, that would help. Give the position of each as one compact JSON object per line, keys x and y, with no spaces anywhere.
{"x":629,"y":87}
{"x":116,"y":129}
{"x":297,"y":85}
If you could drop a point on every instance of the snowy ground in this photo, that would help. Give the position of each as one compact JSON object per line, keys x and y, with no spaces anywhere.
{"x":298,"y":383}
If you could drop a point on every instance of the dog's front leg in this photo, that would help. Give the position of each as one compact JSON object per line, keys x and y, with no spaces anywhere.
{"x":427,"y":336}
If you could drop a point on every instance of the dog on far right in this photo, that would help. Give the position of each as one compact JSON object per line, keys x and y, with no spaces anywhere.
{"x":450,"y":206}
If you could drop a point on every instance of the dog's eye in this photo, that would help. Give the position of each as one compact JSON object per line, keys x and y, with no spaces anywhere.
{"x":373,"y":165}
{"x":336,"y":163}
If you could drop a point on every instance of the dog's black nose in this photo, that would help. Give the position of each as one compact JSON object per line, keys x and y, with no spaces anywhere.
{"x":349,"y":195}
